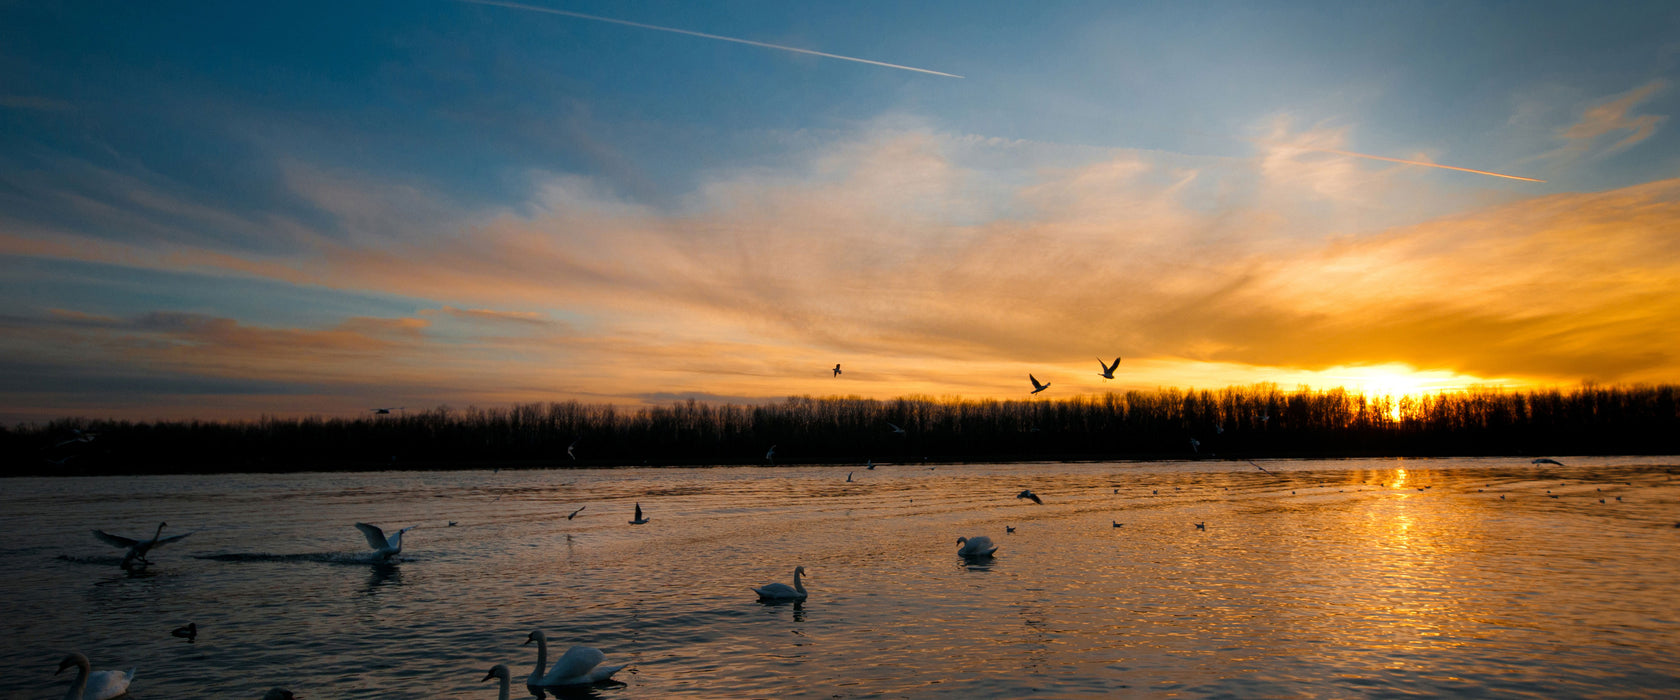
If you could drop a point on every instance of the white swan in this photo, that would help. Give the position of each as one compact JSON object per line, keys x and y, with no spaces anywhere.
{"x":137,"y":549}
{"x":578,"y":666}
{"x":283,"y":694}
{"x":980,"y":546}
{"x":385,"y":548}
{"x":500,"y":671}
{"x":782,"y":591}
{"x":94,"y":686}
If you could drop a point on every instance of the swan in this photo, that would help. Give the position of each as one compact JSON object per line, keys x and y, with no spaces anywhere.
{"x":94,"y":686}
{"x":137,"y":549}
{"x":283,"y":694}
{"x":1036,"y":386}
{"x":498,"y":671}
{"x":639,"y":519}
{"x":980,"y":546}
{"x":384,"y":547}
{"x":782,"y":591}
{"x":578,"y":666}
{"x":1108,"y":370}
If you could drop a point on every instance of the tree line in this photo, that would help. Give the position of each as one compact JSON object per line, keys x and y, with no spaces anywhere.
{"x":1259,"y":421}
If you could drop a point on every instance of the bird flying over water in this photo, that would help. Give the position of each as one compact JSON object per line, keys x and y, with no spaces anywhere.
{"x":1027,"y":493}
{"x":385,"y":547}
{"x":579,"y":510}
{"x":573,"y":446}
{"x":1195,"y":445}
{"x":137,"y":549}
{"x":1257,"y":466}
{"x":836,"y":369}
{"x":639,"y":519}
{"x":1107,"y":369}
{"x":896,"y":430}
{"x":770,"y":456}
{"x":849,"y":477}
{"x":1036,"y":386}
{"x":1546,"y":460}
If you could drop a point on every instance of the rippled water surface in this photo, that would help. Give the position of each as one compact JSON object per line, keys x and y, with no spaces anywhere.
{"x":1321,"y":579}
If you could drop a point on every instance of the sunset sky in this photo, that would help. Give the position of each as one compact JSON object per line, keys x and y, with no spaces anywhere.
{"x":226,"y":209}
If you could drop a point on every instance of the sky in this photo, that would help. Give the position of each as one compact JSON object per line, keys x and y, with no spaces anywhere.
{"x":228,"y":210}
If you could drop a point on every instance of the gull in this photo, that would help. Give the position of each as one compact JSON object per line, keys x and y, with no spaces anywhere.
{"x":452,"y":523}
{"x":385,"y":547}
{"x":1117,"y":523}
{"x":1195,"y":445}
{"x":1029,"y":494}
{"x":1107,"y":369}
{"x":137,"y":549}
{"x":1257,"y":466}
{"x":580,"y":510}
{"x":188,"y":631}
{"x":836,"y":369}
{"x":770,"y":456}
{"x":1201,"y":526}
{"x":870,"y":464}
{"x":1036,"y":386}
{"x":573,"y":446}
{"x":1546,"y":460}
{"x":80,"y":437}
{"x":639,"y":519}
{"x":1265,"y":417}
{"x":849,"y":477}
{"x":1009,"y":529}
{"x":896,"y":430}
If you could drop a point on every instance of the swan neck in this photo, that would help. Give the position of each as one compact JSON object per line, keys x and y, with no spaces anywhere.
{"x":159,"y":532}
{"x":83,"y":668}
{"x":542,"y":656}
{"x":797,"y":584}
{"x":505,"y":688}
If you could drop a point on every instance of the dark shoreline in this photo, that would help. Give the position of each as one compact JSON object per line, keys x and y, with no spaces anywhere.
{"x":1231,"y":424}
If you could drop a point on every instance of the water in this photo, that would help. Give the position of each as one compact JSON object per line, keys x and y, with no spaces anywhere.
{"x":1327,"y":578}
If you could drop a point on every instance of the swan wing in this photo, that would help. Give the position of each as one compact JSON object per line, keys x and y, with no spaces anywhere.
{"x":114,"y":540}
{"x":375,"y":536}
{"x":167,"y":540}
{"x":574,"y":666}
{"x":102,"y":685}
{"x":602,"y":673}
{"x":776,"y":590}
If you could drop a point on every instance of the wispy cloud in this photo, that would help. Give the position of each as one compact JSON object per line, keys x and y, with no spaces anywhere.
{"x":703,"y":35}
{"x":1612,"y":118}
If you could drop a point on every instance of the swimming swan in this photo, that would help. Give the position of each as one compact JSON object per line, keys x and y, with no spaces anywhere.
{"x":578,"y":666}
{"x":94,"y":686}
{"x":980,"y":546}
{"x":385,"y":548}
{"x":782,"y":591}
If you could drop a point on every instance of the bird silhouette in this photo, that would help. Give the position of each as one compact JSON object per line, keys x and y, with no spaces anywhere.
{"x":580,"y":510}
{"x":1107,"y":369}
{"x":1029,"y":494}
{"x":188,"y":631}
{"x":1037,"y":387}
{"x":639,"y":519}
{"x":836,"y":369}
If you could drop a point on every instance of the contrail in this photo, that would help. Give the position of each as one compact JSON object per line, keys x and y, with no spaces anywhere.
{"x":1426,"y":164}
{"x":703,"y":35}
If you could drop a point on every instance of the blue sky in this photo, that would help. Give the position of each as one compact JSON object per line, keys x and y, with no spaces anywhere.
{"x":590,"y":195}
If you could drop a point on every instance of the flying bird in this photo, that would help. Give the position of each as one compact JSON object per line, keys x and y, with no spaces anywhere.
{"x":836,"y":369}
{"x":870,"y":464}
{"x":1195,"y":445}
{"x":385,"y":411}
{"x":573,"y":446}
{"x":580,"y":510}
{"x":770,"y":456}
{"x":1029,"y":494}
{"x":137,"y":549}
{"x":1257,"y":466}
{"x":80,"y":437}
{"x":849,"y":477}
{"x":639,"y":519}
{"x":1546,"y":460}
{"x":1036,"y":386}
{"x":896,"y":430}
{"x":385,"y":547}
{"x":1107,"y":369}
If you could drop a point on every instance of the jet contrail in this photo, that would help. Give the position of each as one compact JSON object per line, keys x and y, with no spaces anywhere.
{"x":1426,"y":164}
{"x":703,"y":35}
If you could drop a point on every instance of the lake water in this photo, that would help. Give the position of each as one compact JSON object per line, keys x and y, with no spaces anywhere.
{"x":1323,"y":579}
